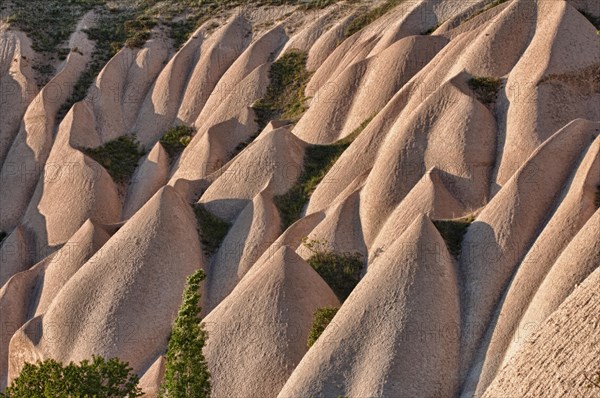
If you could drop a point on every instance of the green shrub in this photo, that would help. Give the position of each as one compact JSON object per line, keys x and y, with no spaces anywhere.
{"x":453,"y":232}
{"x":318,"y":160}
{"x":486,"y":88}
{"x":322,"y":318}
{"x":341,"y":271}
{"x":186,"y":371}
{"x":119,"y":157}
{"x":212,"y":229}
{"x":370,"y":16}
{"x":98,"y":378}
{"x":597,"y":198}
{"x":285,"y":95}
{"x":176,"y":139}
{"x":2,"y":236}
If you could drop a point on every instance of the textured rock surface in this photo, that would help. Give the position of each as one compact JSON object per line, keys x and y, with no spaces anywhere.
{"x":475,"y":109}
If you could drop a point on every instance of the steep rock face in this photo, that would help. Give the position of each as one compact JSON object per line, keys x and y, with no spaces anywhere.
{"x":550,"y":72}
{"x":275,"y":160}
{"x":566,"y":222}
{"x":18,"y":85}
{"x":430,"y":138}
{"x":150,"y":176}
{"x":28,"y":153}
{"x":262,"y":326}
{"x":257,"y":226}
{"x":506,"y":228}
{"x":72,"y":178}
{"x":359,"y":93}
{"x":108,"y":302}
{"x":376,"y":345}
{"x":570,"y":337}
{"x":29,"y":293}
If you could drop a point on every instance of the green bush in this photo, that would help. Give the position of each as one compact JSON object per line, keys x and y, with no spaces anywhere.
{"x":486,"y":88}
{"x":119,"y":157}
{"x":453,"y":232}
{"x":322,"y":318}
{"x":597,"y":198}
{"x":176,"y":139}
{"x":186,"y":370}
{"x":212,"y":229}
{"x":98,"y":378}
{"x":341,"y":271}
{"x":370,"y":16}
{"x":285,"y":95}
{"x":318,"y":160}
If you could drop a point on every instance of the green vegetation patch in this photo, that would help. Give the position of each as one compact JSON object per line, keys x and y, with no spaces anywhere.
{"x":341,"y":271}
{"x":488,"y":7}
{"x":118,"y":25}
{"x":119,"y":157}
{"x":322,"y":318}
{"x":486,"y":88}
{"x":318,"y":160}
{"x":98,"y":378}
{"x":2,"y":236}
{"x":596,"y":199}
{"x":370,"y":16}
{"x":186,"y":370}
{"x":285,"y":94}
{"x":49,"y":23}
{"x":453,"y":232}
{"x":176,"y":139}
{"x":212,"y":229}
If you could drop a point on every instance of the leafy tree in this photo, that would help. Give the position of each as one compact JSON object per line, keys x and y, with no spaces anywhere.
{"x":98,"y":378}
{"x":186,"y":371}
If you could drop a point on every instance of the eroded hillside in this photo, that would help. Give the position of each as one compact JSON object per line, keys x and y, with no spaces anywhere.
{"x":429,"y":167}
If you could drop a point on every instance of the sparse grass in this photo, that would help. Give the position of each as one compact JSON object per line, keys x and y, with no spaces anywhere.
{"x":318,"y":160}
{"x":322,"y":318}
{"x":212,"y":229}
{"x":370,"y":16}
{"x":2,"y":236}
{"x":486,"y":8}
{"x":49,"y":23}
{"x":486,"y":88}
{"x":341,"y":271}
{"x":453,"y":232}
{"x":116,"y":27}
{"x":119,"y":157}
{"x":176,"y":139}
{"x":285,"y":94}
